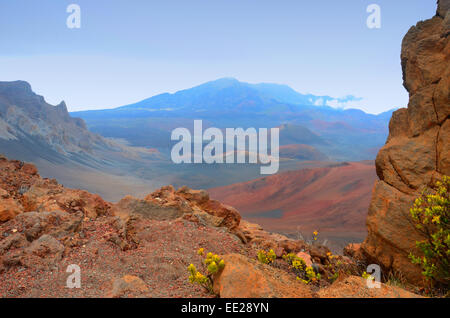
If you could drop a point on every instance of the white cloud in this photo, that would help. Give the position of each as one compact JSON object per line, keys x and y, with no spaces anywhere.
{"x":319,"y":102}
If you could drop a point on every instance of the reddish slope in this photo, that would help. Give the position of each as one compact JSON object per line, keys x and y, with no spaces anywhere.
{"x":333,"y":200}
{"x":302,"y":152}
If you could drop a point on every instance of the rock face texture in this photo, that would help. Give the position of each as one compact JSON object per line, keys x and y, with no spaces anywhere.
{"x":23,"y":190}
{"x":23,"y":114}
{"x":417,"y":151}
{"x":246,"y":278}
{"x":356,"y":287}
{"x":127,"y":284}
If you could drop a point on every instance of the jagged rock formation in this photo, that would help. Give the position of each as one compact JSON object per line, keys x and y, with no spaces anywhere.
{"x":417,"y":151}
{"x":23,"y":190}
{"x":62,"y":147}
{"x":23,"y":114}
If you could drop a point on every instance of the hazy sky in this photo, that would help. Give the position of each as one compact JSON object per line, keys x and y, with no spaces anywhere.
{"x":126,"y":51}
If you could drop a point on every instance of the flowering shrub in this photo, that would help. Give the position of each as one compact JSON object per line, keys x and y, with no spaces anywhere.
{"x":213,"y":264}
{"x":431,"y":216}
{"x":305,"y":274}
{"x":266,"y":257}
{"x":365,"y":275}
{"x":197,"y":277}
{"x":335,"y":267}
{"x":315,"y":235}
{"x":296,"y":262}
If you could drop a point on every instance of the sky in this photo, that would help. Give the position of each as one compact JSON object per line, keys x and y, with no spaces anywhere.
{"x":129,"y":50}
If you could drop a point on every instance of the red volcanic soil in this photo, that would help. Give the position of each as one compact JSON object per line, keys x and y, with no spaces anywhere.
{"x":301,"y":151}
{"x":333,"y":200}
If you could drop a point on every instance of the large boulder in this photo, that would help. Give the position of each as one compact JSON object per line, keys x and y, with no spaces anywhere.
{"x":44,"y":252}
{"x":46,"y":195}
{"x":247,"y":278}
{"x":196,"y":205}
{"x":416,"y":153}
{"x":132,"y":206}
{"x":255,"y":235}
{"x":128,"y":285}
{"x":356,"y":287}
{"x":9,"y":208}
{"x":56,"y":223}
{"x":23,"y":190}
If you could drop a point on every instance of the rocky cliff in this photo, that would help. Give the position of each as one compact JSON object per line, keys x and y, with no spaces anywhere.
{"x":62,"y":147}
{"x":23,"y":114}
{"x":417,"y":151}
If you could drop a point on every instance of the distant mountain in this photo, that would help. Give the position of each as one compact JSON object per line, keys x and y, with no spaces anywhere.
{"x":349,"y":134}
{"x":62,"y":147}
{"x":225,"y":96}
{"x":297,"y":134}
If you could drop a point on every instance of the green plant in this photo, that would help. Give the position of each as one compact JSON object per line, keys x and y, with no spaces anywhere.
{"x":315,"y":235}
{"x":396,"y":278}
{"x":333,"y":277}
{"x":365,"y":275}
{"x":266,"y":257}
{"x":311,"y":275}
{"x":304,"y":273}
{"x":197,"y":277}
{"x":213,"y":264}
{"x":431,"y":216}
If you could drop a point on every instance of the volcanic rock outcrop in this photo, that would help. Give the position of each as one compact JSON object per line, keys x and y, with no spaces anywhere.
{"x":417,"y":151}
{"x":23,"y":190}
{"x":245,"y":278}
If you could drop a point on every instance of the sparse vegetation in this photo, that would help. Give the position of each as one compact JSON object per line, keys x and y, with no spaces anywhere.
{"x":396,"y":278}
{"x":431,"y":216}
{"x":315,"y":236}
{"x":312,"y":240}
{"x":266,"y":257}
{"x":305,"y":274}
{"x":336,"y":267}
{"x":213,"y":264}
{"x":365,"y":275}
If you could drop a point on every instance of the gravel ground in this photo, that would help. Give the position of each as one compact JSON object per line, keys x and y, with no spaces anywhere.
{"x":165,"y":250}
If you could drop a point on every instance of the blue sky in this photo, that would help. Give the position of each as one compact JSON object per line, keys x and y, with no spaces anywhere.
{"x":126,"y":51}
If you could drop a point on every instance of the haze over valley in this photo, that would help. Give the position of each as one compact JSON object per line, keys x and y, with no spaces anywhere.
{"x":126,"y":150}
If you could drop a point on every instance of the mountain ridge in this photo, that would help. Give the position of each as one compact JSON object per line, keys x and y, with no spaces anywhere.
{"x":351,"y":134}
{"x":282,"y":93}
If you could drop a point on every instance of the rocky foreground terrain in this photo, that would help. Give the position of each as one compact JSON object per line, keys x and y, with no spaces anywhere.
{"x":142,"y":247}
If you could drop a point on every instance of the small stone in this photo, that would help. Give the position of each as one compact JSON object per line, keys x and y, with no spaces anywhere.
{"x":127,"y":284}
